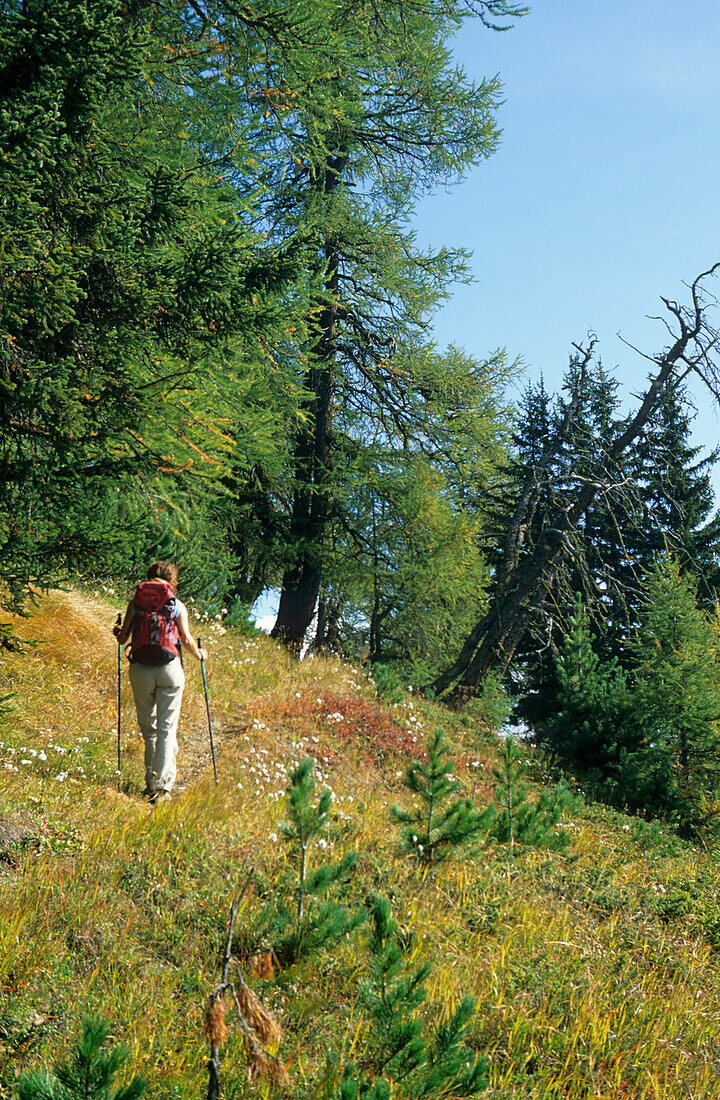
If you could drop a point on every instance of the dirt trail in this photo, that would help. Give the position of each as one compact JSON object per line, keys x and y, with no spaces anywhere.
{"x":194,"y":755}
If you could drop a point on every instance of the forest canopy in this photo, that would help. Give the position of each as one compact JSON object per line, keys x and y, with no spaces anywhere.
{"x":216,"y":346}
{"x":215,"y":337}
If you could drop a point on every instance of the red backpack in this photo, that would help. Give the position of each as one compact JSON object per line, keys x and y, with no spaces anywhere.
{"x":155,"y":638}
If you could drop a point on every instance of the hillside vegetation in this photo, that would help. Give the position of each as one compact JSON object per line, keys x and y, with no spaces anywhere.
{"x":593,"y":967}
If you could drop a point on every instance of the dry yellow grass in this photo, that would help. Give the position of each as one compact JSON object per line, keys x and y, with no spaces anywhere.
{"x":594,"y":971}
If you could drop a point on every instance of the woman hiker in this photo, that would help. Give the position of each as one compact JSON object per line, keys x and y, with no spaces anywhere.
{"x":156,"y":622}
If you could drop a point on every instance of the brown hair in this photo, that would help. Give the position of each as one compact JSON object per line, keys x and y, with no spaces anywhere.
{"x":163,"y":571}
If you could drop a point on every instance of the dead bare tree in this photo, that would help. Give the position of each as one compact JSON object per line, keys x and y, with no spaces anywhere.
{"x":528,"y":569}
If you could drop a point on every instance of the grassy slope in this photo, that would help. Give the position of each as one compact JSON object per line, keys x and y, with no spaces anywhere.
{"x":594,"y":970}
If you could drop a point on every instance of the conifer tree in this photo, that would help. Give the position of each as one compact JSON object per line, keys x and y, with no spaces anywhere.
{"x":675,"y":502}
{"x":347,"y":150}
{"x":561,"y":443}
{"x":675,"y":707}
{"x":519,"y":819}
{"x":89,"y":1075}
{"x":596,"y":566}
{"x":411,"y":562}
{"x":401,"y":1059}
{"x":659,"y":498}
{"x":301,"y":919}
{"x":585,"y":731}
{"x":647,"y":742}
{"x":440,"y":826}
{"x":128,"y":275}
{"x":530,"y":567}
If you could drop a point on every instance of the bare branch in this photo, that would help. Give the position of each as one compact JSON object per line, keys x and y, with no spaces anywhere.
{"x":529,"y":566}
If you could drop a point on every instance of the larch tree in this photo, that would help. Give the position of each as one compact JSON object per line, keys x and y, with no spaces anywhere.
{"x":403,"y":119}
{"x":349,"y":113}
{"x":404,"y":570}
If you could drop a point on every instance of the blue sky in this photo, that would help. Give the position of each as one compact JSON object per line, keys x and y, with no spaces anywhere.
{"x":602,"y":195}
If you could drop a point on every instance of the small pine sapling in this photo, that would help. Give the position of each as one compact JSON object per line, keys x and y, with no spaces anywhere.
{"x":388,"y":685}
{"x":400,"y":1058}
{"x":520,"y":820}
{"x":302,"y":919}
{"x":440,"y":825}
{"x":89,"y":1075}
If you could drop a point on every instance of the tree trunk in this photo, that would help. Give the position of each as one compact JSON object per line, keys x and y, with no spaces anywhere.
{"x":313,"y":475}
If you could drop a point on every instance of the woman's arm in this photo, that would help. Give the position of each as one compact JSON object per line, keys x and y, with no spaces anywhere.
{"x":186,"y":637}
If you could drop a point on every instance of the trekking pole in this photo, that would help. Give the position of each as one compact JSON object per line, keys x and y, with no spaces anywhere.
{"x":119,"y":701}
{"x":207,"y":708}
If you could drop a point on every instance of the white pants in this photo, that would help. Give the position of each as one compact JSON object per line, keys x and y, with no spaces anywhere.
{"x":158,"y":691}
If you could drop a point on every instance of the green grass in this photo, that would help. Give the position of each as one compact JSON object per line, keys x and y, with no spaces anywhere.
{"x":595,"y":970}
